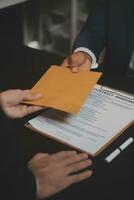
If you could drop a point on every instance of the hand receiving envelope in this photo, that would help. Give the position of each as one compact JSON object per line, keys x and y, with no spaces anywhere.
{"x":64,"y":90}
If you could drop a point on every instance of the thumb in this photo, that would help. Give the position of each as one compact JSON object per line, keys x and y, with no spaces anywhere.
{"x":65,"y":63}
{"x":74,"y":67}
{"x":27,"y":95}
{"x":70,"y":64}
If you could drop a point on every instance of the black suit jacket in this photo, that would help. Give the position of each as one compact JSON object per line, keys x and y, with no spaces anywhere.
{"x":110,"y":25}
{"x":16,"y":181}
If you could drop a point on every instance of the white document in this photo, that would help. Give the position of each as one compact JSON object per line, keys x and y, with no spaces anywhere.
{"x":6,"y":3}
{"x":105,"y":114}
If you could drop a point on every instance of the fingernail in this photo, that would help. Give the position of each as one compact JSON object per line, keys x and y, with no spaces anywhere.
{"x":75,"y":70}
{"x":89,"y":172}
{"x":39,"y":94}
{"x":89,"y":162}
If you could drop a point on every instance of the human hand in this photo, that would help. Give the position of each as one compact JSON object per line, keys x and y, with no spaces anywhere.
{"x":78,"y":61}
{"x":11,"y":103}
{"x":56,"y":172}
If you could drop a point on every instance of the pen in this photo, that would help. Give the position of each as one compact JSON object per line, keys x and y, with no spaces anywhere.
{"x":126,"y":143}
{"x":116,"y":152}
{"x":113,"y":155}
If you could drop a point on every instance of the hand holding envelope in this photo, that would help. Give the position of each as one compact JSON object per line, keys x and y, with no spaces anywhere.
{"x":64,"y":90}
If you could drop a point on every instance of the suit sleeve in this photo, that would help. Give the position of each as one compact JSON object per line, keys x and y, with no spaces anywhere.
{"x":93,"y":33}
{"x":16,"y":181}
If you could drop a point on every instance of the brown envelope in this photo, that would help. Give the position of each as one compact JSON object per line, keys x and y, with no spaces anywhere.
{"x":64,"y":90}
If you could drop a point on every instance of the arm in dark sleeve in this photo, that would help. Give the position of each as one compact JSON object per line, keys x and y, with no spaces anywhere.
{"x":16,"y":181}
{"x":93,"y":34}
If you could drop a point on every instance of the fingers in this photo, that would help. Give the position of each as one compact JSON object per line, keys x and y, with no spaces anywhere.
{"x":78,"y":166}
{"x":76,"y":162}
{"x":65,"y":63}
{"x":81,"y":62}
{"x":75,"y":68}
{"x":75,"y":158}
{"x":85,"y":66}
{"x":24,"y":110}
{"x":28,"y":109}
{"x":73,"y":62}
{"x":78,"y":61}
{"x":55,"y":172}
{"x":71,"y":161}
{"x":32,"y":109}
{"x":63,"y":155}
{"x":27,"y":95}
{"x":68,"y":62}
{"x":80,"y":177}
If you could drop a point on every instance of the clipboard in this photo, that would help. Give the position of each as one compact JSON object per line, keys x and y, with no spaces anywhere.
{"x":28,"y":125}
{"x":117,"y":131}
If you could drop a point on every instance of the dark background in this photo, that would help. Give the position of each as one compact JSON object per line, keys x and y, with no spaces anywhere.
{"x":21,"y":67}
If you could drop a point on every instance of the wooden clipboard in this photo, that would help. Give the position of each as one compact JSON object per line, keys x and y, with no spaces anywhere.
{"x":28,"y":125}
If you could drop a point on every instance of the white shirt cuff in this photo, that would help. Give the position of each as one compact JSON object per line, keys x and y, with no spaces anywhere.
{"x":91,"y":54}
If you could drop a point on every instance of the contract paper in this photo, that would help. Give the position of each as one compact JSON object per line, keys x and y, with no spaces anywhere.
{"x":103,"y":117}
